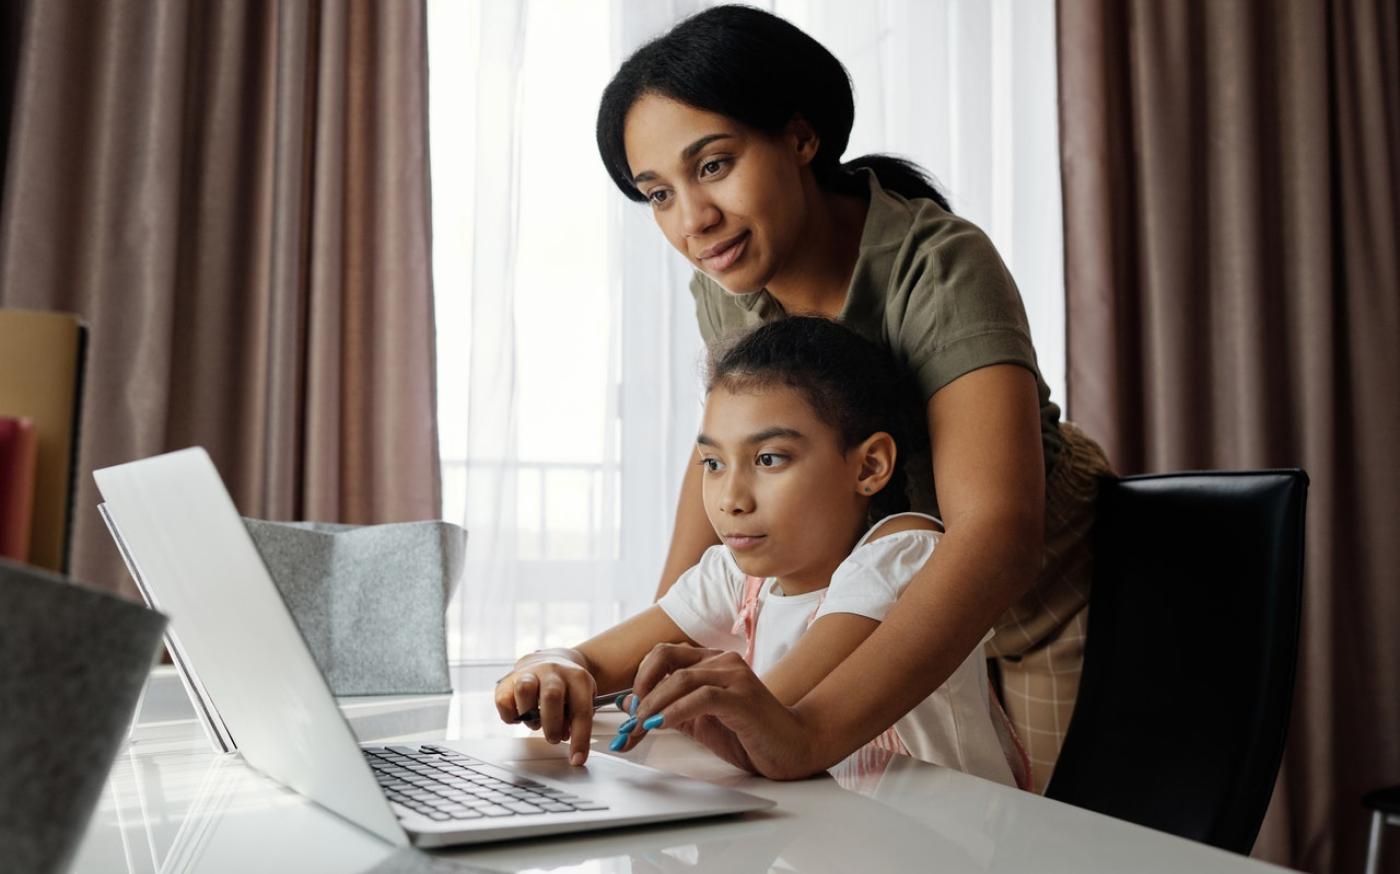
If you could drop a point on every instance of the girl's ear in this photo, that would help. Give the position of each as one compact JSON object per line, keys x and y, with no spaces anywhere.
{"x":876,"y":456}
{"x":803,"y":139}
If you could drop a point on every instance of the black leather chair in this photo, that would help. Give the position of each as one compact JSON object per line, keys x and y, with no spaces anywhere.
{"x":1189,"y":662}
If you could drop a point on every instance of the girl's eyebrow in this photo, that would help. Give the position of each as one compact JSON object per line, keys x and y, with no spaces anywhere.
{"x":687,"y":153}
{"x":761,"y":436}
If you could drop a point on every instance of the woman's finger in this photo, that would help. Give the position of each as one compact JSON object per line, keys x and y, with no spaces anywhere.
{"x":717,"y":669}
{"x":678,"y":684}
{"x":665,"y":658}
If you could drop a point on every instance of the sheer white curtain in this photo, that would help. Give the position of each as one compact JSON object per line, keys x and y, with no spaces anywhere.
{"x":569,"y":359}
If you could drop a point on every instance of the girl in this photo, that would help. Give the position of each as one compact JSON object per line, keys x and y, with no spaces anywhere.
{"x":731,"y":128}
{"x":798,"y":455}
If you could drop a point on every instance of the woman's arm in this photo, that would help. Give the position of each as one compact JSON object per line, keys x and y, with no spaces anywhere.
{"x":825,"y":645}
{"x":989,"y":467}
{"x":693,"y":533}
{"x":832,"y":637}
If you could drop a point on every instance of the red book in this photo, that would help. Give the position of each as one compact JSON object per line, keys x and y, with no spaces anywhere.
{"x":19,"y":457}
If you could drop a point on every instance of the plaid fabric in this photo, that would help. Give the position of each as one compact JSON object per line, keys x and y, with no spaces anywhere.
{"x":1039,"y":643}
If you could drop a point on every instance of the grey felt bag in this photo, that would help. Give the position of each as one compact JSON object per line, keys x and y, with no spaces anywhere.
{"x":73,"y":661}
{"x":370,"y":600}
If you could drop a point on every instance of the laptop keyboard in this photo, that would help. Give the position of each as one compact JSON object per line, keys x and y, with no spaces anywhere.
{"x":445,"y":785}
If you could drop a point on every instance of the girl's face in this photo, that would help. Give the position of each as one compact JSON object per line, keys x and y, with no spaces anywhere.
{"x":729,"y":198}
{"x":778,"y":488}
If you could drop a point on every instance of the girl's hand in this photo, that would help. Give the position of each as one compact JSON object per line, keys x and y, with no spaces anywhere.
{"x":562,"y":688}
{"x":715,"y":697}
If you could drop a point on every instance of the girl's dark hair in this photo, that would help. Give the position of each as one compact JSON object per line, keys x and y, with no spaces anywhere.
{"x":761,"y":71}
{"x":851,"y":384}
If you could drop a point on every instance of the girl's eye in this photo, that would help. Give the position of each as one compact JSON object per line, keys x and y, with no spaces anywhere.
{"x":710,"y":464}
{"x":769,"y":459}
{"x":657,"y":197}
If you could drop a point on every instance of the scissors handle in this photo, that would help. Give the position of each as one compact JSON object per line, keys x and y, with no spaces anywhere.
{"x":599,"y":701}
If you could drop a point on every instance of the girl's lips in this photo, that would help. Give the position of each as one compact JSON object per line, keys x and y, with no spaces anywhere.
{"x":723,"y":260}
{"x":743,"y":541}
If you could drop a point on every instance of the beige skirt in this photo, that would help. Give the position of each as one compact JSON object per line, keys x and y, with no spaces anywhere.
{"x":1038,"y":648}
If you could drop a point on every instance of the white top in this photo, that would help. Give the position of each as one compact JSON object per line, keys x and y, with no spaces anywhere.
{"x":952,"y":727}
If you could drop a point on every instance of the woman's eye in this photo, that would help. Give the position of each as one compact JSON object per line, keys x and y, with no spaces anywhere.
{"x":710,"y":464}
{"x":712,"y":166}
{"x":657,"y":197}
{"x":768,"y":459}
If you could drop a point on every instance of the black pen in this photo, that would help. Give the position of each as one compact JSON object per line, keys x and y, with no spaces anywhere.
{"x":599,"y":701}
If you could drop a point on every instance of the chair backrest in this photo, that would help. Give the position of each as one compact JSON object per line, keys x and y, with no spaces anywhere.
{"x":1192,"y":644}
{"x":41,"y":379}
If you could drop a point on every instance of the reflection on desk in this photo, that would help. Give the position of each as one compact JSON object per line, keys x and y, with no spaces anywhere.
{"x":171,"y":804}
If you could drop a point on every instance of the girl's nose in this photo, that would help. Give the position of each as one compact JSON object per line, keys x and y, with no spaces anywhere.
{"x":735,"y":499}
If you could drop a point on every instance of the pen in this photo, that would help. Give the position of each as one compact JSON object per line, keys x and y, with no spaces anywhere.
{"x":598,"y":701}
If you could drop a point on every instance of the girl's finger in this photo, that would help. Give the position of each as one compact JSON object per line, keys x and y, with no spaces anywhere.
{"x":553,"y":695}
{"x":526,"y":690}
{"x":505,"y":700}
{"x":580,"y":719}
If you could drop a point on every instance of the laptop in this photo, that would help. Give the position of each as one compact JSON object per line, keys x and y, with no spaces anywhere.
{"x":179,"y":530}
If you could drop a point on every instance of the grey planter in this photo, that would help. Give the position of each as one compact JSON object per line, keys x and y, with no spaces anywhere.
{"x":370,"y":600}
{"x":73,"y":661}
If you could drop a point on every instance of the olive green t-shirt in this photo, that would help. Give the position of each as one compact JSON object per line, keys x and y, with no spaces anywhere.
{"x":929,"y":287}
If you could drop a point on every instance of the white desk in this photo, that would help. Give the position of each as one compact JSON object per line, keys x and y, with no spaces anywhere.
{"x":171,"y":804}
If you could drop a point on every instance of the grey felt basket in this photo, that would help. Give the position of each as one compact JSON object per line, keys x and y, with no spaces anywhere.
{"x":370,"y":600}
{"x":73,"y":661}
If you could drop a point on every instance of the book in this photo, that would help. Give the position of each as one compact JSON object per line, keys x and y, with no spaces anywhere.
{"x":19,"y":458}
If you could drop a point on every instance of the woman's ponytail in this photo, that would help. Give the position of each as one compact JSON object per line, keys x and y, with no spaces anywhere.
{"x":899,"y":175}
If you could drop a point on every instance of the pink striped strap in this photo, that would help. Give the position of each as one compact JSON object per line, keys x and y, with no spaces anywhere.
{"x":747,"y":621}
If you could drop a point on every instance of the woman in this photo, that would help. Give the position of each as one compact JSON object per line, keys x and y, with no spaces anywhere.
{"x":731,"y":127}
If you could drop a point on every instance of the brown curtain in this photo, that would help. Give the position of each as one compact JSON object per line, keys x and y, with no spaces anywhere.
{"x":1232,"y":222}
{"x":234,"y":196}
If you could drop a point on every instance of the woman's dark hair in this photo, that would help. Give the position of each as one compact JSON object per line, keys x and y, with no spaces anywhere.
{"x":851,"y":384}
{"x":761,"y":71}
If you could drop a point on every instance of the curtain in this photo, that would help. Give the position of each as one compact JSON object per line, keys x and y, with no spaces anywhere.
{"x":234,"y":196}
{"x":1232,"y":206}
{"x":569,"y":356}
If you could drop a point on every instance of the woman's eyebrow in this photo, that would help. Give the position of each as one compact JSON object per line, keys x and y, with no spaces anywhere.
{"x":759,"y":437}
{"x":687,"y":153}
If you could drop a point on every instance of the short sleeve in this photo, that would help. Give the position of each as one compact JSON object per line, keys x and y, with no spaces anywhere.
{"x":704,"y":602}
{"x":956,"y":309}
{"x":872,"y":577}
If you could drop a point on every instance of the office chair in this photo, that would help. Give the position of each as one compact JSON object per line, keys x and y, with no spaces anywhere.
{"x":1384,"y":805}
{"x":1189,"y":661}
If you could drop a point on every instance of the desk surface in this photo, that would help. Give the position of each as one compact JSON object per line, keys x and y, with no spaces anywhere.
{"x":172,"y":804}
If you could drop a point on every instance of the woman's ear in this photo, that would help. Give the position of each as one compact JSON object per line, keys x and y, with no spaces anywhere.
{"x":803,"y":139}
{"x":876,"y":458}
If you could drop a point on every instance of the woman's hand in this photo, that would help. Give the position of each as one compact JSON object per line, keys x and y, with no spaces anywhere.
{"x":559,"y":684}
{"x":715,"y":697}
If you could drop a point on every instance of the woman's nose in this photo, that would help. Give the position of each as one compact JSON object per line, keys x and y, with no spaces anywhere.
{"x":698,"y":214}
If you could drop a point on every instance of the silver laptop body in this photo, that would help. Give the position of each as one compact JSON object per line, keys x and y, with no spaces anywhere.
{"x":180,"y":531}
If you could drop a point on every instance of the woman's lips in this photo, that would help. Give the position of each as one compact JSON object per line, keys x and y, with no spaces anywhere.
{"x":743,"y":541}
{"x":725,"y":258}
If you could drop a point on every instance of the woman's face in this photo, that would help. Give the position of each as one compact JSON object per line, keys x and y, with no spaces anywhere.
{"x":729,"y":198}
